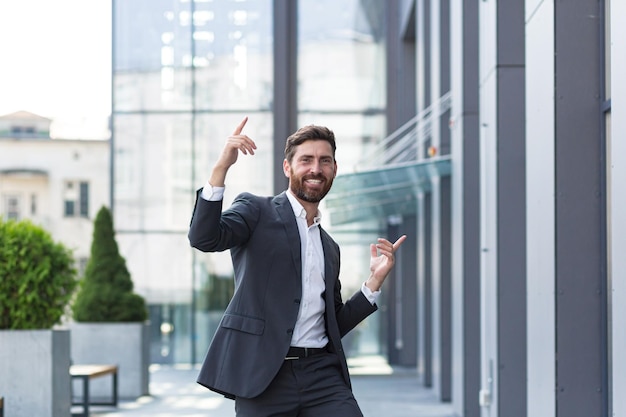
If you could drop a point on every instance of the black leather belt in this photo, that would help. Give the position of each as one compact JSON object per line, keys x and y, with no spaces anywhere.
{"x":302,"y":352}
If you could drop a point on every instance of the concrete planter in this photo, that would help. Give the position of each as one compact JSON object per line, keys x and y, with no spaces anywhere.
{"x":34,"y":373}
{"x":123,"y":344}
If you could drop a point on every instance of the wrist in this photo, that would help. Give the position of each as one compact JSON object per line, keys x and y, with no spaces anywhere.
{"x":373,"y":284}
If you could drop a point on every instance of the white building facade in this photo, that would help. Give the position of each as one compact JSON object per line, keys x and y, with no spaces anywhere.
{"x":56,"y":183}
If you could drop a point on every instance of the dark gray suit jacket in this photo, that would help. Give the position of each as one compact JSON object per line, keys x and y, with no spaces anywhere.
{"x":254,"y":335}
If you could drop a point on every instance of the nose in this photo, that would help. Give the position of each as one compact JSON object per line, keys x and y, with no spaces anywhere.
{"x":316,"y":167}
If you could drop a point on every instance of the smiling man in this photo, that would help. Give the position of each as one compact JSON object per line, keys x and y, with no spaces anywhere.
{"x":277,"y":350}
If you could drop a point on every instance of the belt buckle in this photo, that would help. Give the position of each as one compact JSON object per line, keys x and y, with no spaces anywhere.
{"x":291,"y":358}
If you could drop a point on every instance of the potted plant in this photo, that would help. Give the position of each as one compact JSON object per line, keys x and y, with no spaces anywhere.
{"x":110,"y":324}
{"x":37,"y":279}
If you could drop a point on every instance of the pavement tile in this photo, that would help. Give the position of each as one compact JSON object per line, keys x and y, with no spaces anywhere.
{"x":380,"y":390}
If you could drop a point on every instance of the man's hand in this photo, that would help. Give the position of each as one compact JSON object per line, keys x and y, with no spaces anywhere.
{"x":234,"y":144}
{"x":382,"y":261}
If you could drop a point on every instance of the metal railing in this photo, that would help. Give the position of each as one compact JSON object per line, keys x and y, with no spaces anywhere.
{"x":407,"y":143}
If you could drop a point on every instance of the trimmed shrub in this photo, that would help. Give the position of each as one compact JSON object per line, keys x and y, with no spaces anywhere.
{"x":37,"y":277}
{"x":106,"y":291}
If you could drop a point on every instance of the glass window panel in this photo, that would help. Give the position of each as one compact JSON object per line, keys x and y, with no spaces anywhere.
{"x":69,"y":208}
{"x":12,"y":207}
{"x":341,"y":85}
{"x":153,"y":170}
{"x":607,"y":49}
{"x":84,"y":199}
{"x":251,"y":173}
{"x":160,"y":266}
{"x":33,"y":204}
{"x":233,"y":55}
{"x":341,"y":63}
{"x":355,"y":134}
{"x":152,"y":50}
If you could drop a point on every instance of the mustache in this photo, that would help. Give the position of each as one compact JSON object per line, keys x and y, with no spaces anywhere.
{"x":314,"y":177}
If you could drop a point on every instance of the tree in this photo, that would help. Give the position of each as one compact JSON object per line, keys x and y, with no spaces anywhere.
{"x":37,"y":277}
{"x":106,"y":291}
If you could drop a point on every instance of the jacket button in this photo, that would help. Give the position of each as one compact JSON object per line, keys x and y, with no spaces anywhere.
{"x":289,"y":331}
{"x":297,"y":301}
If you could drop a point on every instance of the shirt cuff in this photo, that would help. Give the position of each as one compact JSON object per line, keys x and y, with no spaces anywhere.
{"x":371,"y":296}
{"x":210,"y":193}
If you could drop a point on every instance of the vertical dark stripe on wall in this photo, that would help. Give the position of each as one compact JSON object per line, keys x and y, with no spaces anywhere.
{"x":605,"y":277}
{"x":427,"y":54}
{"x":511,"y":206}
{"x":471,"y":212}
{"x":445,"y":301}
{"x":408,"y":356}
{"x":580,"y":250}
{"x":285,"y":100}
{"x":428,"y":293}
{"x":401,"y":298}
{"x":401,"y":67}
{"x":445,"y":218}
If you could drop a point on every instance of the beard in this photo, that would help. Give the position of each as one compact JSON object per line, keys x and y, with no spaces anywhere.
{"x":298,"y":188}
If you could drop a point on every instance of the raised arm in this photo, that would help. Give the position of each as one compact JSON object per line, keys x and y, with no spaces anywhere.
{"x":237,"y":142}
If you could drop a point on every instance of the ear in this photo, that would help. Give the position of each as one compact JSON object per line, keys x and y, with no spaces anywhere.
{"x":286,"y":168}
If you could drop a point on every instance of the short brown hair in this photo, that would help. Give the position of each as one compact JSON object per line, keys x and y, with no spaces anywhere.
{"x":310,"y":132}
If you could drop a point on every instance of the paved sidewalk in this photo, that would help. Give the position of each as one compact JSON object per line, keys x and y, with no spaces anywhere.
{"x":379,"y":389}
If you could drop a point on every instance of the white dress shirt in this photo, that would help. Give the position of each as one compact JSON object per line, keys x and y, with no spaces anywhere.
{"x":309,"y":330}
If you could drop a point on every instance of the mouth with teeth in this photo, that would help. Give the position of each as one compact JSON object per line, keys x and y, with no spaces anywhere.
{"x":311,"y":189}
{"x":315,"y":182}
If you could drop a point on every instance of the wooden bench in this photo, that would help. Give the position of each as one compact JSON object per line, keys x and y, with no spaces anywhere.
{"x":88,"y":372}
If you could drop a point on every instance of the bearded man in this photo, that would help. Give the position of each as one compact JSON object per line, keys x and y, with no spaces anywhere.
{"x":277,"y":350}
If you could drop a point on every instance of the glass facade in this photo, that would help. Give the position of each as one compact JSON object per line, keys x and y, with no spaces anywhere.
{"x":184,"y":74}
{"x":341,"y":84}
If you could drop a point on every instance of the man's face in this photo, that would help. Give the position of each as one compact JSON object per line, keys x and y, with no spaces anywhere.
{"x":311,"y":171}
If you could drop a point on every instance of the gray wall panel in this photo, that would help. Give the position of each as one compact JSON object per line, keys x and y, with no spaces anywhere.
{"x":511,"y":243}
{"x":579,"y":240}
{"x":445,"y":287}
{"x":428,"y":293}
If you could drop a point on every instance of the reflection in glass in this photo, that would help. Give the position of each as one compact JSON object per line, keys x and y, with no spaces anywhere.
{"x":184,"y":73}
{"x":341,"y":85}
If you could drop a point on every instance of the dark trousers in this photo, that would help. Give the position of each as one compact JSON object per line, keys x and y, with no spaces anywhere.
{"x":307,"y":387}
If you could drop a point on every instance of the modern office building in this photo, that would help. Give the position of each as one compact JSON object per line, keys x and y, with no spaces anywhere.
{"x":489,"y":132}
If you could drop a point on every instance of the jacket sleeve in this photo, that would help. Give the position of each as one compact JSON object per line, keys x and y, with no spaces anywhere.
{"x":353,"y":311}
{"x":212,"y":230}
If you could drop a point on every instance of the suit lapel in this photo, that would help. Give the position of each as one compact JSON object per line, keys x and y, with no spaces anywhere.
{"x":331,"y":260}
{"x":285,"y":211}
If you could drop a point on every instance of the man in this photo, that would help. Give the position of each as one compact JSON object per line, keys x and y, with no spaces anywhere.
{"x":278,"y":349}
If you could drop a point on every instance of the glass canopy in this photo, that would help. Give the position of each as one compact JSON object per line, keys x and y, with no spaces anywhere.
{"x":384,"y":191}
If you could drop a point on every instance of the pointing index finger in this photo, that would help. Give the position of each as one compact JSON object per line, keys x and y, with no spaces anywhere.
{"x":239,"y":128}
{"x":399,"y":242}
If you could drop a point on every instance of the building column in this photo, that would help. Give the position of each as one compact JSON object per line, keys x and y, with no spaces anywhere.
{"x":285,"y":101}
{"x":465,"y":244}
{"x":503,"y":210}
{"x":580,"y":238}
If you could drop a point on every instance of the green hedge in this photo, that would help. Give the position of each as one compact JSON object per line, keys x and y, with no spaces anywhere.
{"x":37,"y":277}
{"x":106,"y":291}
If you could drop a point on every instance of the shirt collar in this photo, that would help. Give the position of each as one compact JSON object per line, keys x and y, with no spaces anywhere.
{"x":299,"y":211}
